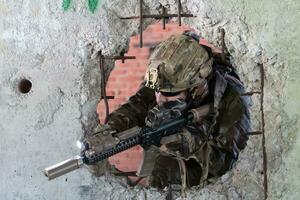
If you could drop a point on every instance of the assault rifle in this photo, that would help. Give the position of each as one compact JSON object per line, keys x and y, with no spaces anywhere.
{"x":160,"y":122}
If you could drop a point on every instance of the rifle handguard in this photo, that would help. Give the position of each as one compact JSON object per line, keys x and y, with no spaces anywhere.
{"x":201,"y":112}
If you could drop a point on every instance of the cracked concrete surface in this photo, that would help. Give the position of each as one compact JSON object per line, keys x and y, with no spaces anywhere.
{"x":57,"y":51}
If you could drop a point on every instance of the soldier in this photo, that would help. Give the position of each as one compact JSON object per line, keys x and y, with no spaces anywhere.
{"x":181,"y":68}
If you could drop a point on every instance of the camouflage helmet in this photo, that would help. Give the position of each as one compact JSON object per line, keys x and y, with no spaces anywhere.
{"x":177,"y":64}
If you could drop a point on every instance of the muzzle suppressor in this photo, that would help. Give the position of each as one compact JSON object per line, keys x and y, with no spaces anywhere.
{"x":63,"y":167}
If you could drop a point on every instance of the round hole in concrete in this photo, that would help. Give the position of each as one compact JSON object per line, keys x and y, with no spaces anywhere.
{"x":24,"y":86}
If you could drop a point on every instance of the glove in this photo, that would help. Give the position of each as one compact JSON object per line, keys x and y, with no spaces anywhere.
{"x":102,"y":138}
{"x":183,"y":142}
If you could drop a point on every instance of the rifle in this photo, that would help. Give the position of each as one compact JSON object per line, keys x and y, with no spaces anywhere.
{"x":159,"y":123}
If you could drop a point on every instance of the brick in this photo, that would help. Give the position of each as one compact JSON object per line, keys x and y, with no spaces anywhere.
{"x":124,"y":92}
{"x":139,"y":51}
{"x":111,"y":78}
{"x":134,"y":39}
{"x":110,"y":92}
{"x":143,"y":63}
{"x":113,"y":84}
{"x":119,"y":64}
{"x":118,"y":71}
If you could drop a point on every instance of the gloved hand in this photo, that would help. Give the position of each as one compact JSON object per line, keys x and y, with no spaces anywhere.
{"x":183,"y":142}
{"x":101,"y":138}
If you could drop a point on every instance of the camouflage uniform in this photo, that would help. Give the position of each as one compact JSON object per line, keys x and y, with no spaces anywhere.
{"x":207,"y":149}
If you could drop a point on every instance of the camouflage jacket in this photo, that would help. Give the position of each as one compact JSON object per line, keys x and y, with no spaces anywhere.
{"x":216,"y":153}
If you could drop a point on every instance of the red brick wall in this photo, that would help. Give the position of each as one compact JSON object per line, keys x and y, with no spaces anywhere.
{"x":125,"y":79}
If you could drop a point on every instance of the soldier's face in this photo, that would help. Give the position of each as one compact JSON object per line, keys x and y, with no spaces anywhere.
{"x":161,"y":98}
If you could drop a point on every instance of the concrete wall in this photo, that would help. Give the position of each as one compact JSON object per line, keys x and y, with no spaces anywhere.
{"x":57,"y":51}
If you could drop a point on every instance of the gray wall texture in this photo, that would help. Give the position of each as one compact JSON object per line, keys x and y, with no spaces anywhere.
{"x":57,"y":51}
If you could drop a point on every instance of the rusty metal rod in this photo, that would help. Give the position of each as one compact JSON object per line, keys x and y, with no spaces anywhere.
{"x":126,"y":58}
{"x":265,"y":164}
{"x":179,"y":12}
{"x":158,"y":16}
{"x":223,"y":57}
{"x":103,"y":88}
{"x":120,"y":57}
{"x":141,"y":23}
{"x":108,"y":97}
{"x":250,"y":93}
{"x":255,"y":133}
{"x":164,"y":10}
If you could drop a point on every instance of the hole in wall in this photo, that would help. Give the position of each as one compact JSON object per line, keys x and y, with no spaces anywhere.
{"x":125,"y":79}
{"x":24,"y":86}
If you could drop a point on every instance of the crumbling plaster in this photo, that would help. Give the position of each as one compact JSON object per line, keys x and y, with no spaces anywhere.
{"x":57,"y":51}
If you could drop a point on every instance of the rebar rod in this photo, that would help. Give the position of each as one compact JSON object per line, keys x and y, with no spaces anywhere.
{"x":265,"y":164}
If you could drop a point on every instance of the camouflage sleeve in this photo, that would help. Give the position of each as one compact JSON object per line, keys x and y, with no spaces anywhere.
{"x":217,"y":154}
{"x":134,"y":111}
